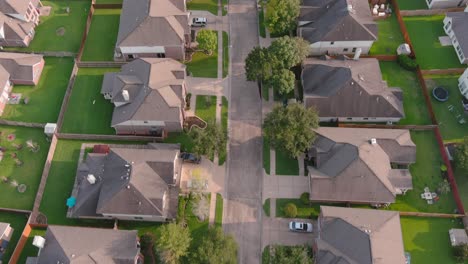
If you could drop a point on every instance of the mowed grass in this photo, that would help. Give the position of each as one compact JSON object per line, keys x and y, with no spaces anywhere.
{"x":424,"y":32}
{"x":102,"y":35}
{"x":185,"y":141}
{"x":87,"y":111}
{"x":206,"y":107}
{"x":204,"y":65}
{"x":60,"y":31}
{"x":45,"y":99}
{"x":427,"y":239}
{"x":412,"y":4}
{"x":266,"y":155}
{"x":219,"y":210}
{"x":261,"y":23}
{"x":29,"y":173}
{"x":416,"y":112}
{"x":225,"y":54}
{"x":286,"y":165}
{"x":389,"y":37}
{"x":17,"y":222}
{"x":206,"y":5}
{"x":30,"y":250}
{"x":224,"y":125}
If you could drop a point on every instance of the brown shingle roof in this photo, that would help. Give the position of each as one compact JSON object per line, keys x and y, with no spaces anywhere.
{"x":20,"y":65}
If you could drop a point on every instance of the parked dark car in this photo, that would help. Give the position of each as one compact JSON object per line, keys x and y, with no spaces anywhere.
{"x":190,"y":157}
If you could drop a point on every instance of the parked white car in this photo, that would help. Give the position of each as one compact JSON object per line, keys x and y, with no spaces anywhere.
{"x":300,"y":227}
{"x":199,"y":22}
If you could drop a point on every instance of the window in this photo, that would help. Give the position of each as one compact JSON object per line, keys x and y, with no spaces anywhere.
{"x":146,"y":122}
{"x":349,"y":118}
{"x":333,"y":42}
{"x":131,"y":56}
{"x":366,"y":118}
{"x":345,"y":50}
{"x":354,"y":49}
{"x":138,"y":218}
{"x":160,"y":55}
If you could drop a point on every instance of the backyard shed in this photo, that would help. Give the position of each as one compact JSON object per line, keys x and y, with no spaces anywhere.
{"x":50,"y":129}
{"x":458,"y":237}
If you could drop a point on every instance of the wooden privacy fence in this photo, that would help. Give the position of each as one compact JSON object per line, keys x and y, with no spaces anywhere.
{"x":86,"y":31}
{"x":429,"y":12}
{"x":100,"y":64}
{"x":435,"y":215}
{"x":66,"y":98}
{"x":401,"y":23}
{"x":443,"y":71}
{"x":21,"y":243}
{"x":108,"y":137}
{"x":384,"y":126}
{"x":382,"y":57}
{"x":107,"y":6}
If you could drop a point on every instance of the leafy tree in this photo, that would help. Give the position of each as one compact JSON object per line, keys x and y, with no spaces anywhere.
{"x":291,"y":254}
{"x":283,"y":81}
{"x":461,"y":252}
{"x":173,"y":243}
{"x":258,"y":64}
{"x":216,"y":248}
{"x":461,"y":154}
{"x":288,"y":52}
{"x":290,"y":210}
{"x":281,"y":15}
{"x":290,"y":128}
{"x":207,"y":40}
{"x":209,"y":141}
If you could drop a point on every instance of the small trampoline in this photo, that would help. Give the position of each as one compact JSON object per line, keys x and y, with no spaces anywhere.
{"x":440,"y":94}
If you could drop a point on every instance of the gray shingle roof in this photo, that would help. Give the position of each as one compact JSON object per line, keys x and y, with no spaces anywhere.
{"x":460,"y":29}
{"x":20,"y":65}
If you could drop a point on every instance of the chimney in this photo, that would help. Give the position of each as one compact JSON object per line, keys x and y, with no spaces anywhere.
{"x":125,"y":95}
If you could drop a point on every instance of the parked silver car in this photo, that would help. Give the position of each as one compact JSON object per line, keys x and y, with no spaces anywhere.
{"x":300,"y":227}
{"x":199,"y":22}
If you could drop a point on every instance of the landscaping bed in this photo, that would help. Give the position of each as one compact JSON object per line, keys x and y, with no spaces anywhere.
{"x":87,"y":111}
{"x":206,"y":108}
{"x":22,"y":163}
{"x":17,"y":222}
{"x":44,"y":99}
{"x":389,"y":37}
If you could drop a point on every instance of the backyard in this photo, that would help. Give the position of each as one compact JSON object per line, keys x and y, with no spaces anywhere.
{"x":60,"y":31}
{"x":44,"y":99}
{"x":412,"y":4}
{"x":17,"y":222}
{"x":427,"y":239}
{"x":24,"y":154}
{"x":413,"y":101}
{"x":30,"y":250}
{"x":389,"y":37}
{"x":449,"y":120}
{"x":102,"y":35}
{"x":424,"y":32}
{"x":87,"y":111}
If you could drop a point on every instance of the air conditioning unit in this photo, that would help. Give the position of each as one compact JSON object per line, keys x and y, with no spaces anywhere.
{"x":39,"y":241}
{"x":373,"y":141}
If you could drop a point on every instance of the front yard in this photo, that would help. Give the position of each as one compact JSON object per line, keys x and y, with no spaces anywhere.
{"x":266,"y":155}
{"x":204,"y":65}
{"x":427,"y":239}
{"x":206,"y":5}
{"x":286,"y":165}
{"x":389,"y":37}
{"x":45,"y":99}
{"x":22,"y":164}
{"x":60,"y":31}
{"x":102,"y":35}
{"x":17,"y":222}
{"x":87,"y":111}
{"x":206,"y":108}
{"x":413,"y":101}
{"x":424,"y":32}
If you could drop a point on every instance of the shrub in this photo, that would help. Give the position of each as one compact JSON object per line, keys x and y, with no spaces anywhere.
{"x":407,"y":63}
{"x":461,"y":252}
{"x":290,"y":210}
{"x":305,"y":198}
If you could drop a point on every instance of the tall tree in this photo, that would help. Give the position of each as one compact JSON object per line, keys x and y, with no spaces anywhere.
{"x":290,"y":128}
{"x":173,"y":242}
{"x":210,"y":140}
{"x":283,"y":81}
{"x":216,"y":248}
{"x":281,"y":16}
{"x":289,"y":52}
{"x":461,"y":154}
{"x":258,"y":65}
{"x":207,"y":40}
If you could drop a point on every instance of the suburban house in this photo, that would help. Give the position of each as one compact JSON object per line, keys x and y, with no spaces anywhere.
{"x":128,"y":182}
{"x":18,"y":68}
{"x":68,"y":244}
{"x":18,"y":19}
{"x":5,"y":235}
{"x":455,"y":26}
{"x":153,"y":28}
{"x":148,"y":95}
{"x":337,"y":26}
{"x":350,"y":91}
{"x":362,"y":166}
{"x":440,"y":4}
{"x":364,"y":236}
{"x":463,"y":84}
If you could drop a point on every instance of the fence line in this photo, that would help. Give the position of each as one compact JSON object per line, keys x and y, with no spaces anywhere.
{"x":430,"y":12}
{"x":66,"y":98}
{"x":108,"y":137}
{"x":107,"y":6}
{"x":382,"y":57}
{"x":59,"y":54}
{"x":21,"y":243}
{"x":443,"y":71}
{"x":383,"y":126}
{"x":402,"y":25}
{"x":15,"y":211}
{"x":436,"y":215}
{"x":100,"y":64}
{"x":21,"y":124}
{"x":86,"y":31}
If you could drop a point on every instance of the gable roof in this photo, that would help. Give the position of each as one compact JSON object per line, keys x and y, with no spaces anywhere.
{"x":15,"y":29}
{"x":20,"y":65}
{"x":131,"y":180}
{"x":3,"y":228}
{"x":336,"y":20}
{"x":349,"y":88}
{"x":460,"y":29}
{"x":66,"y":244}
{"x":155,"y":88}
{"x":359,"y":236}
{"x":350,"y":168}
{"x":153,"y":23}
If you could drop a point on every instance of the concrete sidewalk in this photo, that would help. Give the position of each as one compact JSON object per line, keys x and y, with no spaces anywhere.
{"x":284,"y":186}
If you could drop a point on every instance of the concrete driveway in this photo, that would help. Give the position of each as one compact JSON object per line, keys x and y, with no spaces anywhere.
{"x":276,"y":232}
{"x":284,"y":186}
{"x":196,"y":175}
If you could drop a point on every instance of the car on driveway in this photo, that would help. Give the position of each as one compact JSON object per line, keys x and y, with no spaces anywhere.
{"x":300,"y":227}
{"x":199,"y":22}
{"x":190,"y":157}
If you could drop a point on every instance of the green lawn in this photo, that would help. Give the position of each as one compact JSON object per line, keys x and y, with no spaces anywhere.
{"x":413,"y":101}
{"x":87,"y":111}
{"x":109,"y":1}
{"x":225,"y":54}
{"x":61,"y":31}
{"x":266,"y":207}
{"x":219,"y":210}
{"x":266,"y":155}
{"x":224,"y":124}
{"x":45,"y":99}
{"x":449,"y":126}
{"x":30,"y":250}
{"x":412,"y":4}
{"x":285,"y":165}
{"x":204,"y":65}
{"x":425,"y":172}
{"x":28,"y":173}
{"x":102,"y":35}
{"x":389,"y":37}
{"x":206,"y":107}
{"x":424,"y":32}
{"x":207,"y":5}
{"x":185,"y":141}
{"x":261,"y":23}
{"x":17,"y":222}
{"x":427,"y":239}
{"x":303,"y":210}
